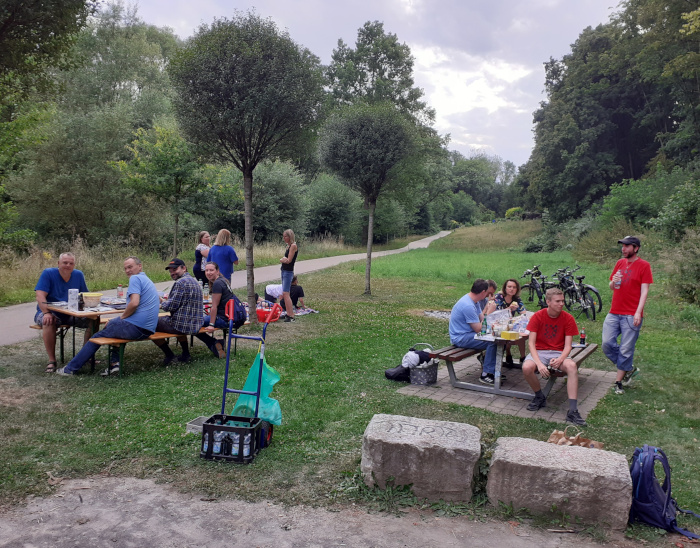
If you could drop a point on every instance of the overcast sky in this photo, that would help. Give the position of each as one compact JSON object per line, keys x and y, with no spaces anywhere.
{"x":480,"y":63}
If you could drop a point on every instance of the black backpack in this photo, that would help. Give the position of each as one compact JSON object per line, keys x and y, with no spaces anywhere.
{"x":652,"y":502}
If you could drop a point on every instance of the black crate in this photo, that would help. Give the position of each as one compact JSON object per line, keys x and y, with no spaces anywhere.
{"x":233,"y":447}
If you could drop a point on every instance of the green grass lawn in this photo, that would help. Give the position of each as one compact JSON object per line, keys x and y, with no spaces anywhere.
{"x":332,"y":383}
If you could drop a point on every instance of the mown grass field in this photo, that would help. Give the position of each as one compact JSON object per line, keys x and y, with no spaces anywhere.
{"x":332,"y":369}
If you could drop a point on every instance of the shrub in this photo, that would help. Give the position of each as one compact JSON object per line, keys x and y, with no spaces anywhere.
{"x":514,"y":213}
{"x":683,"y":263}
{"x":330,"y":206}
{"x":682,"y":211}
{"x":639,"y":201}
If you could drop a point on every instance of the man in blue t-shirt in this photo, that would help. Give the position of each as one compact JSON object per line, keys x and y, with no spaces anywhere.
{"x":137,"y":322}
{"x":465,"y":323}
{"x":53,"y":286}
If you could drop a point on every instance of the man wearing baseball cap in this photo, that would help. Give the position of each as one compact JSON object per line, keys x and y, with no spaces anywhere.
{"x":186,"y":309}
{"x":629,"y":281}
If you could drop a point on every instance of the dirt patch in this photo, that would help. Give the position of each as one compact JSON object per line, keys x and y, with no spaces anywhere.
{"x":14,"y":395}
{"x":126,"y":512}
{"x":436,"y":314}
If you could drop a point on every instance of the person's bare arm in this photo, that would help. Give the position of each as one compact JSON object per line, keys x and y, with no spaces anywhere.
{"x":542,"y":368}
{"x":215,"y":300}
{"x":640,"y":307}
{"x":41,"y":297}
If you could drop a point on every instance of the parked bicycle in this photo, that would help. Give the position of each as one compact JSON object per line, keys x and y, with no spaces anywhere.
{"x":578,"y":297}
{"x":535,"y":288}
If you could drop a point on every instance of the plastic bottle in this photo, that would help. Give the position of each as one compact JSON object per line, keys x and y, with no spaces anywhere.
{"x":120,"y":291}
{"x":484,"y":327}
{"x":205,"y":446}
{"x":205,"y":291}
{"x":618,"y":283}
{"x":246,"y":445}
{"x":235,"y":439}
{"x":218,"y":441}
{"x":583,"y":335}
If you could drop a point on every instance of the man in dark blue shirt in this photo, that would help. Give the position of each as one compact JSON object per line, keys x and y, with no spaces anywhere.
{"x":53,"y":286}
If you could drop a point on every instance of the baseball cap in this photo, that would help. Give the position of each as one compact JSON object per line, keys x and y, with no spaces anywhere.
{"x":630,"y":240}
{"x":175,"y":263}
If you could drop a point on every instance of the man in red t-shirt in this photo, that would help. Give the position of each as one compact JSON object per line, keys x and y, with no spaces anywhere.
{"x":551,"y":332}
{"x":630,"y":281}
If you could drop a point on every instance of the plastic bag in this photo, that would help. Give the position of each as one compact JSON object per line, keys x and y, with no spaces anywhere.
{"x":269,"y":409}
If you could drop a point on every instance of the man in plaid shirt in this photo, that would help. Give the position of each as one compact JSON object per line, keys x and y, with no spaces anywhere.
{"x":186,"y":308}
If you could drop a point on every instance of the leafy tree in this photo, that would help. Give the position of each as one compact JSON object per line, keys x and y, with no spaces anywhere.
{"x":364,"y":144}
{"x":330,"y":205}
{"x":378,"y":70}
{"x":163,"y":166}
{"x":67,"y":187}
{"x":245,"y":91}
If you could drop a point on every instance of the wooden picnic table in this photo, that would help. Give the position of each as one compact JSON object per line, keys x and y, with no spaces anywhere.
{"x":453,"y":354}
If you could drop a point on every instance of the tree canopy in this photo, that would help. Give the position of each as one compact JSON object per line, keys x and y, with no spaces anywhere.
{"x":364,"y":144}
{"x":244,"y":91}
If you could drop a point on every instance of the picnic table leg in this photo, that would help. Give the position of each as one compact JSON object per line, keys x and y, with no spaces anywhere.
{"x":499,"y":358}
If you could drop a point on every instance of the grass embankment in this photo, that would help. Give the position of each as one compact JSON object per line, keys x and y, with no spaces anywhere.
{"x":104,"y":266}
{"x":332,"y":369}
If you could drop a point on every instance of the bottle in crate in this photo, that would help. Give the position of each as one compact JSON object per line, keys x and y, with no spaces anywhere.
{"x":218,"y":442}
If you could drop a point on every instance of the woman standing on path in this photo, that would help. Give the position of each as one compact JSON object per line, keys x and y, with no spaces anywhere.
{"x":290,"y":257}
{"x":223,"y":254}
{"x":200,"y":256}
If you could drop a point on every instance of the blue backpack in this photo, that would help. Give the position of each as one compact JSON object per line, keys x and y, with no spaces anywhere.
{"x":652,"y":502}
{"x":235,"y":310}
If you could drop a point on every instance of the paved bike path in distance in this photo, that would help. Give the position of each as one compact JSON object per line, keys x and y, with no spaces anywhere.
{"x":15,"y":320}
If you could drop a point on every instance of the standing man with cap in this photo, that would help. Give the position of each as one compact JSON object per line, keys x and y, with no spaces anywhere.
{"x":629,"y":281}
{"x":186,"y":308}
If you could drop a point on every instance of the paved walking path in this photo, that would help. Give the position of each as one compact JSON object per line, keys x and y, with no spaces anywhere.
{"x":14,"y":320}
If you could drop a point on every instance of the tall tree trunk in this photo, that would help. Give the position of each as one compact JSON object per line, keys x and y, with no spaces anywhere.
{"x":249,"y":265}
{"x":370,"y":235}
{"x":177,"y":223}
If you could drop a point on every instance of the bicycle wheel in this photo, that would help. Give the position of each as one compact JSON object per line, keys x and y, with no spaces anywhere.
{"x":527,"y":293}
{"x":570,"y":298}
{"x":592,"y":292}
{"x":588,"y":306}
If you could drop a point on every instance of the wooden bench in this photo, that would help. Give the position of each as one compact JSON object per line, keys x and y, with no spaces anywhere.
{"x":452,"y":354}
{"x":120,"y":344}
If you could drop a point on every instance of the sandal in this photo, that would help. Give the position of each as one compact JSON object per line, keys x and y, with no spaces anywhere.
{"x":51,"y":367}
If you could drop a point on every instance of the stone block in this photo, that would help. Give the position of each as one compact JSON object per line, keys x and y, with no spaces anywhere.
{"x":590,"y":484}
{"x":438,"y":457}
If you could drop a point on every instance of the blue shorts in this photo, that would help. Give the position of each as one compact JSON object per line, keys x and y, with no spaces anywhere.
{"x":287,"y":276}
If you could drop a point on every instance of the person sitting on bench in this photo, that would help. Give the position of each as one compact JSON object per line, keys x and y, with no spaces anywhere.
{"x":465,"y":325}
{"x":552,"y":331}
{"x":185,"y":304}
{"x":221,"y":294}
{"x":53,"y":286}
{"x":137,"y":322}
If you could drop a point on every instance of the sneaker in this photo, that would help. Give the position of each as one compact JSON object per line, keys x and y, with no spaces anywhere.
{"x":487,"y":378}
{"x":575,"y":418}
{"x":62,"y":371}
{"x":509,"y":362}
{"x":629,"y":376}
{"x":537,"y":403}
{"x":111,"y":370}
{"x":617,"y":388}
{"x":289,"y":319}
